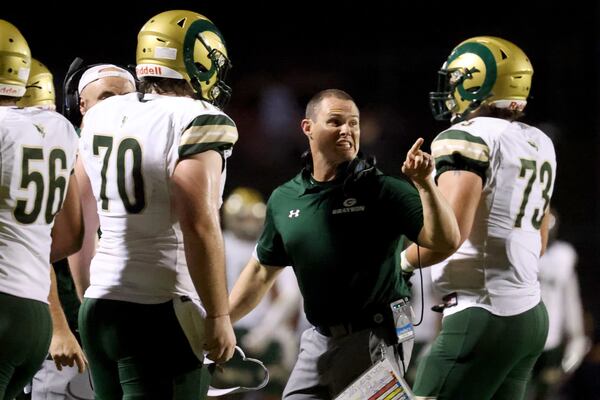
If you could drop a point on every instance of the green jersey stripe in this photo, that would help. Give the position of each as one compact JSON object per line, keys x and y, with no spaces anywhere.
{"x":457,"y":162}
{"x":191,"y":149}
{"x":211,"y":119}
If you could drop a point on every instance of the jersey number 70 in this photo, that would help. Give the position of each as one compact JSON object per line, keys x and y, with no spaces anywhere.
{"x":126,"y":145}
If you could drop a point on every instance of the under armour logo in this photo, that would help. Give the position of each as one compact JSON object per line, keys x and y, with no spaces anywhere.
{"x":294,"y":213}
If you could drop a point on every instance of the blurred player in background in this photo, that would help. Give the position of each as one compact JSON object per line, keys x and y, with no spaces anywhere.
{"x":567,"y":343}
{"x":269,"y":332}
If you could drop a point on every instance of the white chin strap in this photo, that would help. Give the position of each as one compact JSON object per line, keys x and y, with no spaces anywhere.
{"x":215,"y":392}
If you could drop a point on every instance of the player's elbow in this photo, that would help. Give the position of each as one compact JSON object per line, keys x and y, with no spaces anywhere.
{"x":448,"y":244}
{"x":66,"y":244}
{"x":445,"y":241}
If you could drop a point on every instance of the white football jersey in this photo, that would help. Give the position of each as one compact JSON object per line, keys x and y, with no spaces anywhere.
{"x":130,"y":147}
{"x":237,"y":254}
{"x":560,"y":292}
{"x":422,"y":301}
{"x":497,"y":266}
{"x":38,"y":149}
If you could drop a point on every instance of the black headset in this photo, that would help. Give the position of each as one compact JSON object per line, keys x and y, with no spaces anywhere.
{"x":70,"y":105}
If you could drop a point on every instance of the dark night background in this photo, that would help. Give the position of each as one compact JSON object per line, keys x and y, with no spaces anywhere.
{"x":386,"y":56}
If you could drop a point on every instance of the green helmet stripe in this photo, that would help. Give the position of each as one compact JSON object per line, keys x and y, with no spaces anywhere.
{"x":491,"y":70}
{"x":195,"y":29}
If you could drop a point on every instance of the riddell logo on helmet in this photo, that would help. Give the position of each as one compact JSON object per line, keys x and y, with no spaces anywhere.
{"x":516,"y":105}
{"x":9,"y":91}
{"x":147,"y":70}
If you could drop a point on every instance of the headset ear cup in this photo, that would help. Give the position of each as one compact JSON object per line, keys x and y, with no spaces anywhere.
{"x":71,"y":106}
{"x":75,"y":111}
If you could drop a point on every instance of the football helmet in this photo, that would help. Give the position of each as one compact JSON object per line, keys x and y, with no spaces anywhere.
{"x":244,"y":213}
{"x":40,"y":87}
{"x":482,"y":70}
{"x":186,"y":45}
{"x":15,"y":60}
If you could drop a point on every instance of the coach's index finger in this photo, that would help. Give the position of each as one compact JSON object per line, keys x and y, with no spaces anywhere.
{"x":415,"y":147}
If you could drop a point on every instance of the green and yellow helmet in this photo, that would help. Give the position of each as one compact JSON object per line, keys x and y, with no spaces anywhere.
{"x":15,"y":60}
{"x":482,"y":70}
{"x":181,"y":44}
{"x":40,"y":87}
{"x":244,"y":213}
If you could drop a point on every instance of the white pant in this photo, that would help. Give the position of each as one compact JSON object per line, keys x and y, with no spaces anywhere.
{"x":51,"y":384}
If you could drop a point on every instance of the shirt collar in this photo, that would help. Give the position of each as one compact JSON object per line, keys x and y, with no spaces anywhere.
{"x":309,"y":185}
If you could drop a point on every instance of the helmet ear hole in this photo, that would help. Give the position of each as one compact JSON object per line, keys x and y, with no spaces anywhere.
{"x":201,"y":67}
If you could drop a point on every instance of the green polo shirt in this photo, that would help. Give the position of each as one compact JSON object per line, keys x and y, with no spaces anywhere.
{"x":344,"y":246}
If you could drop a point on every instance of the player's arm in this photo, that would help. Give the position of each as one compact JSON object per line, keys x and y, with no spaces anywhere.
{"x":462,"y":190}
{"x":67,"y":232}
{"x":79,"y":262}
{"x":544,"y":229}
{"x":196,"y":193}
{"x":251,"y":286}
{"x":64,"y":348}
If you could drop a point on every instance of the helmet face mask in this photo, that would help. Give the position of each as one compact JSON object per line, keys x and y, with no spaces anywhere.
{"x":186,"y":45}
{"x":208,"y":81}
{"x":481,"y":70}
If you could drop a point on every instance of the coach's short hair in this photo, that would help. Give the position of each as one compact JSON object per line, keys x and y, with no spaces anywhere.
{"x":311,"y":107}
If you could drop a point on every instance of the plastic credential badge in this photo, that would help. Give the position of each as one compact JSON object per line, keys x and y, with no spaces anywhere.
{"x":378,"y":383}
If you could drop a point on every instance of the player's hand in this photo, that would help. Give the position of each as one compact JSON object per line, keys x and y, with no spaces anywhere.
{"x":65,"y":351}
{"x":418,"y":165}
{"x":220,"y":339}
